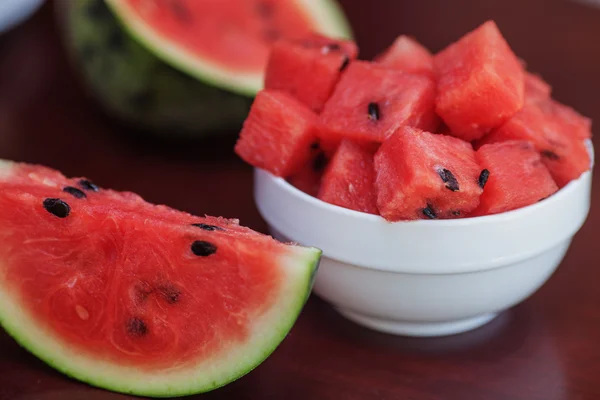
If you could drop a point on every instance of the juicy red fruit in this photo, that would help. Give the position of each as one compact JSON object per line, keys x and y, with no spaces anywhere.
{"x":536,"y":89}
{"x":370,"y":102}
{"x":277,"y":134}
{"x":308,"y":68}
{"x":350,"y":178}
{"x":407,"y":54}
{"x":563,"y":153}
{"x":517,"y":177}
{"x":421,"y":175}
{"x":480,"y":83}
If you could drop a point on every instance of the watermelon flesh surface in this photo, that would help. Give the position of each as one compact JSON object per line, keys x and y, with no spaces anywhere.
{"x":480,"y":83}
{"x":563,"y":151}
{"x":135,"y":297}
{"x":371,"y":102}
{"x":536,"y":89}
{"x":421,"y":175}
{"x":407,"y":54}
{"x":516,"y":177}
{"x":349,"y":180}
{"x":308,"y":68}
{"x":278,"y":134}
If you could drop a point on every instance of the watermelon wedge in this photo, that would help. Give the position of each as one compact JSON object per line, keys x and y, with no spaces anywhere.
{"x":140,"y":298}
{"x":217,"y":41}
{"x":184,"y":68}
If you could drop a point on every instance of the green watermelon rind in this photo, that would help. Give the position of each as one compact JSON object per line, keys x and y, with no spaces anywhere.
{"x":302,"y":264}
{"x":327,"y":14}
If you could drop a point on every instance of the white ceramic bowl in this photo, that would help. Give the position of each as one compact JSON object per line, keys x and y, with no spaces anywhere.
{"x":426,"y":278}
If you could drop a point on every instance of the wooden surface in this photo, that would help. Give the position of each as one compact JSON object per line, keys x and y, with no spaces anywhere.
{"x":544,"y":349}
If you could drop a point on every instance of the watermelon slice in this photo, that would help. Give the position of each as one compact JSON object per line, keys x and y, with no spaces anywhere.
{"x":562,"y":148}
{"x":349,"y":180}
{"x":515,"y":177}
{"x":225,"y":41}
{"x":308,"y":68}
{"x":278,"y":134}
{"x":371,"y":102}
{"x":138,"y":298}
{"x":407,"y":54}
{"x":183,"y":68}
{"x":481,"y":83}
{"x":421,"y":175}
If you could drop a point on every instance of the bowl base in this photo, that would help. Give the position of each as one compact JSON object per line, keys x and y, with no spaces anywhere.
{"x":420,"y":329}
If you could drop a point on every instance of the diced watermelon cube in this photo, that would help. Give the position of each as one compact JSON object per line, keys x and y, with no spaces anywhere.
{"x":277,"y":134}
{"x":422,"y":175}
{"x":407,"y":54}
{"x":536,"y":89}
{"x":516,"y":177}
{"x":569,"y":120}
{"x":350,"y":178}
{"x":480,"y":83}
{"x":371,"y":102}
{"x":308,"y":68}
{"x":563,"y":153}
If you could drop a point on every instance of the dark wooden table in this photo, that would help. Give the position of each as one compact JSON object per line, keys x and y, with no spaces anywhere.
{"x":547,"y":348}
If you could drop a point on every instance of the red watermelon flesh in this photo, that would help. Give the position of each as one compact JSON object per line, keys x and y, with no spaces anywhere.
{"x":308,"y":68}
{"x":421,"y":175}
{"x":516,"y":177}
{"x":536,"y":89}
{"x":371,"y":102}
{"x":480,"y":83}
{"x":223,"y":30}
{"x":569,"y":120}
{"x":564,"y":154}
{"x":131,"y":296}
{"x":349,"y":179}
{"x":277,"y":134}
{"x":407,"y":54}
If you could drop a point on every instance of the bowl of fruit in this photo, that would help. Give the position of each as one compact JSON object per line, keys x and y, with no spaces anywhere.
{"x":442,"y":189}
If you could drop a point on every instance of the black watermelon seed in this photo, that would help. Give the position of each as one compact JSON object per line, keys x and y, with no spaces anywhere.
{"x":456,"y":213}
{"x":207,"y":227}
{"x":75,"y":192}
{"x":429,"y":213}
{"x":314,"y":146}
{"x":57,"y":207}
{"x":373,"y":110}
{"x":345,"y":63}
{"x":319,"y":162}
{"x":333,"y":47}
{"x":170,"y":293}
{"x":137,"y":327}
{"x":483,"y":178}
{"x":549,"y":154}
{"x":88,"y":185}
{"x":449,"y":178}
{"x":203,"y":249}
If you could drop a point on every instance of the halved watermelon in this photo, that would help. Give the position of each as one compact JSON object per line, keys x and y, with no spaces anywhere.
{"x":184,"y":67}
{"x":139,"y":298}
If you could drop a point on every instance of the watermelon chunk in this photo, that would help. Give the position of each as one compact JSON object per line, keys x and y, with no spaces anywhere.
{"x":569,"y":120}
{"x":407,"y":54}
{"x":278,"y":134}
{"x":308,"y":68}
{"x":137,"y":298}
{"x":515,"y":178}
{"x":563,"y":152}
{"x":421,"y":175}
{"x":480,"y":83}
{"x":536,"y":89}
{"x":371,"y":102}
{"x":349,"y":180}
